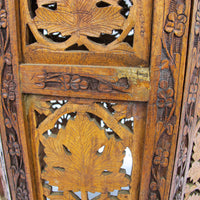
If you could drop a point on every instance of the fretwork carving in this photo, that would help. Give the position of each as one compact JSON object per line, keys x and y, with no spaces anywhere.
{"x":85,"y":25}
{"x":79,"y":148}
{"x":109,"y":28}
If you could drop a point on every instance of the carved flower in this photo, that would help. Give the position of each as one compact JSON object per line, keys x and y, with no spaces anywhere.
{"x":13,"y":146}
{"x":8,"y":90}
{"x":153,"y":196}
{"x":22,"y":193}
{"x":197,"y":27}
{"x":161,"y":157}
{"x":153,"y":186}
{"x":162,"y":126}
{"x":3,"y":19}
{"x":176,"y":22}
{"x":193,"y":91}
{"x":165,"y":95}
{"x":75,"y":82}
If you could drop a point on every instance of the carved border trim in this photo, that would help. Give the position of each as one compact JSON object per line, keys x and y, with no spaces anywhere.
{"x":10,"y":127}
{"x":169,"y":46}
{"x":190,"y":115}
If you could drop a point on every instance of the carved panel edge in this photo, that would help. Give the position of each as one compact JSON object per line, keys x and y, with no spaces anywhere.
{"x":168,"y":64}
{"x":3,"y":175}
{"x":10,"y":128}
{"x":186,"y":165}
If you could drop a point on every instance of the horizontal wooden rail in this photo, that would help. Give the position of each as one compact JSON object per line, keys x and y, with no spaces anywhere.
{"x":116,"y":83}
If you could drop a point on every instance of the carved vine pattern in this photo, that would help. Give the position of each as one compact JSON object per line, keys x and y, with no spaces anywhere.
{"x":75,"y":82}
{"x":173,"y":32}
{"x":187,"y":173}
{"x":8,"y":102}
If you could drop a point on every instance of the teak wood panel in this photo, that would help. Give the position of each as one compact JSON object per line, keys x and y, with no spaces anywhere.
{"x":86,"y":32}
{"x":168,"y":54}
{"x":66,"y":136}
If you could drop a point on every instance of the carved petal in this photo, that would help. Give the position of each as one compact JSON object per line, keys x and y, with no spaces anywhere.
{"x":169,"y":27}
{"x":169,"y":129}
{"x":169,"y":92}
{"x":172,"y":16}
{"x":169,"y":102}
{"x":162,"y":94}
{"x":164,"y":162}
{"x":179,"y":30}
{"x":182,"y":19}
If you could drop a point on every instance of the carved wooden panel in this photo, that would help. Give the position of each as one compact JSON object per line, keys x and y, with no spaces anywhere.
{"x":79,"y":148}
{"x":169,"y":47}
{"x":9,"y":107}
{"x":91,"y":32}
{"x":92,"y":58}
{"x":186,"y":176}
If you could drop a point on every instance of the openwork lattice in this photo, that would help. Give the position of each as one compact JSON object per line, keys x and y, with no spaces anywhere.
{"x":83,"y":150}
{"x":81,"y":24}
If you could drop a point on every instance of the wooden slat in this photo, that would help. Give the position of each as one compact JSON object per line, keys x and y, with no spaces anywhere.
{"x":120,"y":83}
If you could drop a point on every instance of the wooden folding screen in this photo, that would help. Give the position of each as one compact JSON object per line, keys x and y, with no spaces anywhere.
{"x":84,"y":82}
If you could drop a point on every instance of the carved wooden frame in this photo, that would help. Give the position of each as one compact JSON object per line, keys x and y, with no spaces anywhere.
{"x":168,"y":57}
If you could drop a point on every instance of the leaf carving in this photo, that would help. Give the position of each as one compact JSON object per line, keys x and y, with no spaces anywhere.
{"x":74,"y":163}
{"x":79,"y":17}
{"x":194,"y":197}
{"x":194,"y":172}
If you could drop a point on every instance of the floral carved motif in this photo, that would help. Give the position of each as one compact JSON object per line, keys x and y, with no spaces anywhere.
{"x":10,"y":127}
{"x":65,"y":81}
{"x":173,"y":32}
{"x":186,"y":177}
